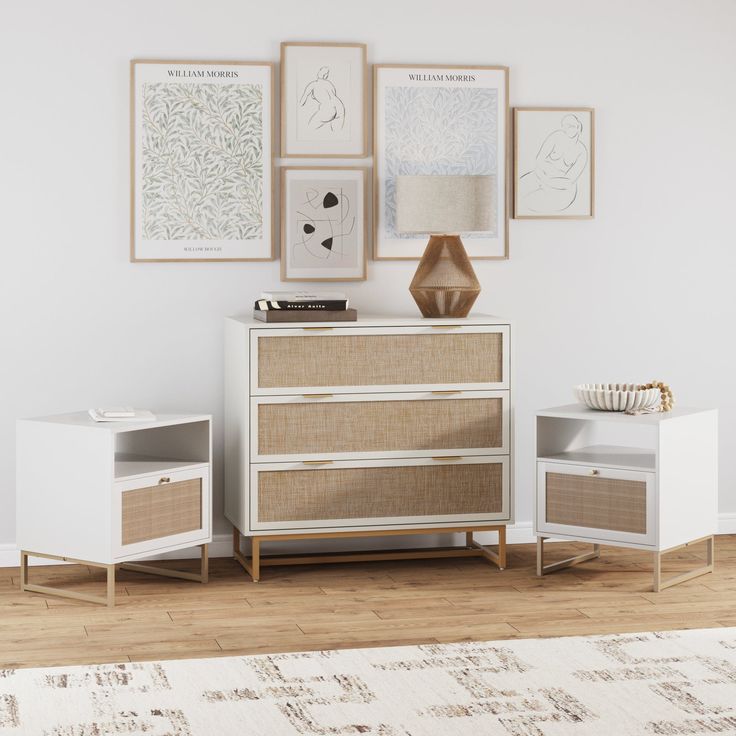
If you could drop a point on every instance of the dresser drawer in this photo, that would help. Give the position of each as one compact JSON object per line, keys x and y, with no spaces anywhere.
{"x":161,"y":510}
{"x":597,"y":503}
{"x":351,"y":426}
{"x":379,"y":493}
{"x":355,"y":359}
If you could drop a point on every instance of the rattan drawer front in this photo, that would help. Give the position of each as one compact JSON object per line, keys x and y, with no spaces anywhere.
{"x":396,"y":359}
{"x":596,"y":502}
{"x":161,"y":511}
{"x":369,"y":494}
{"x":396,"y":426}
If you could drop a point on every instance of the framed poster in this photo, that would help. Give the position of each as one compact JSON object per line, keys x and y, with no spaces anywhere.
{"x":324,"y":100}
{"x":324,"y":224}
{"x":440,"y":120}
{"x":554,"y":163}
{"x":201,"y":161}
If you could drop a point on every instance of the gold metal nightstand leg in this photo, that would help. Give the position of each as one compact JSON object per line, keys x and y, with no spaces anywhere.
{"x":197,"y":577}
{"x":107,"y":600}
{"x":543,"y":569}
{"x":659,"y":584}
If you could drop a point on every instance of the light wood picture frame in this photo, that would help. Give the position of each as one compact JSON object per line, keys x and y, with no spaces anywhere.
{"x":324,"y":223}
{"x":475,"y":102}
{"x":201,"y":161}
{"x":324,"y":100}
{"x":554,"y":163}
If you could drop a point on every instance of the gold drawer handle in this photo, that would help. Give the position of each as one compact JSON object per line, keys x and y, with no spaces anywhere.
{"x":595,"y":472}
{"x":448,"y":457}
{"x":446,"y":392}
{"x":317,"y":396}
{"x":318,"y":328}
{"x":317,"y":462}
{"x":165,"y":479}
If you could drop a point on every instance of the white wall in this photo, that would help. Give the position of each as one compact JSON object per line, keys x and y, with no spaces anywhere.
{"x":643,"y":291}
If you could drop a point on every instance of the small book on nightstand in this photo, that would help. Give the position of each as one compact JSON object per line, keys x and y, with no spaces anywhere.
{"x":122,"y":414}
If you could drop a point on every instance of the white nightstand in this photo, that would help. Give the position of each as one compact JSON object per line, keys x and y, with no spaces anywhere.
{"x":648,"y":482}
{"x":106,"y":493}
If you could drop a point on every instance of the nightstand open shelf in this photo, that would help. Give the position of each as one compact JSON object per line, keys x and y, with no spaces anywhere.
{"x":610,"y":456}
{"x":647,"y":482}
{"x":129,"y":466}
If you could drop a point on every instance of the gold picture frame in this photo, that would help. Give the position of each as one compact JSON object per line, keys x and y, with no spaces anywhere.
{"x":505,"y":146}
{"x":539,"y":141}
{"x":328,"y":149}
{"x":267,"y":240}
{"x":363,"y":228}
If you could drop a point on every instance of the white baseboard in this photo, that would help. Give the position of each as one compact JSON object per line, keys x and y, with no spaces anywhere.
{"x":221,"y":546}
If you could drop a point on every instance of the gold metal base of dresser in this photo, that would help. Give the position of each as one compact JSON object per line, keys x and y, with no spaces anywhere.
{"x":472,"y":548}
{"x":108,"y":599}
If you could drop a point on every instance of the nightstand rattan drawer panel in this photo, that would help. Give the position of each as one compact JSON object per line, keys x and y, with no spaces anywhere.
{"x":367,"y":493}
{"x":374,"y":360}
{"x":596,"y":503}
{"x":161,"y":510}
{"x":374,"y":426}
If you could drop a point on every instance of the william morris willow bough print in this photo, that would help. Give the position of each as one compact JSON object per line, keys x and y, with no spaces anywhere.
{"x":202,"y":161}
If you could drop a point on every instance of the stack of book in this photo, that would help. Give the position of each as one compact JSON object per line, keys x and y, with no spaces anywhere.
{"x":304,"y":306}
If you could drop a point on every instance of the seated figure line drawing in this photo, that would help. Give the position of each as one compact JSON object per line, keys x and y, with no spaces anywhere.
{"x":552,"y":186}
{"x":329,"y":108}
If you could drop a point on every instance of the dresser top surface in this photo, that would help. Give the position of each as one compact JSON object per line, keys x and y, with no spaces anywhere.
{"x":578,"y":411}
{"x":378,"y":320}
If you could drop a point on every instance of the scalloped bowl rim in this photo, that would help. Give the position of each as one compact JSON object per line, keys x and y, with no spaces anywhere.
{"x":616,"y":396}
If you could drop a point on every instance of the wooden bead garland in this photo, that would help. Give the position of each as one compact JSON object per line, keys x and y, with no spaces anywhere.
{"x":667,"y":401}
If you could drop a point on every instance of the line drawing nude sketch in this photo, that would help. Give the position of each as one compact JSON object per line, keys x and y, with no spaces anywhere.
{"x":329,"y":108}
{"x":552,"y":186}
{"x":322,"y":234}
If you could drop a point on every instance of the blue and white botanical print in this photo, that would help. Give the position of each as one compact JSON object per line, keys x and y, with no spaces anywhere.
{"x":202,"y":161}
{"x":438,"y":130}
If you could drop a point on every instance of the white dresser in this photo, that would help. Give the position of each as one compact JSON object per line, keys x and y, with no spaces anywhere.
{"x":648,"y":482}
{"x":385,"y":426}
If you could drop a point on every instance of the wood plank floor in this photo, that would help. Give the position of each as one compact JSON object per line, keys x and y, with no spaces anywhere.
{"x":355,"y":605}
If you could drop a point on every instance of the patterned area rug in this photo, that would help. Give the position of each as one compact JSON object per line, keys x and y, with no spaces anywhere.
{"x":680,"y":682}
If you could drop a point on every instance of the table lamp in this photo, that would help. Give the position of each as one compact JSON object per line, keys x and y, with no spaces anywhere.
{"x":445,"y":284}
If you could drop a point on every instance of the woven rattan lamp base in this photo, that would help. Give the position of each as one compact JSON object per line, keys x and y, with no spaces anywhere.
{"x":445,"y":284}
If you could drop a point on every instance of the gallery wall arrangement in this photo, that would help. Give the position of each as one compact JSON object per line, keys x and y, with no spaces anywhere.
{"x":202,"y":158}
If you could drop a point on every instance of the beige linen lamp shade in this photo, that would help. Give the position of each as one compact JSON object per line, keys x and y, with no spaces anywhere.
{"x":443,"y":204}
{"x":445,"y":284}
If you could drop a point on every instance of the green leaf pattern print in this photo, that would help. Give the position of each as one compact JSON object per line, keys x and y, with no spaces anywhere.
{"x":202,"y":161}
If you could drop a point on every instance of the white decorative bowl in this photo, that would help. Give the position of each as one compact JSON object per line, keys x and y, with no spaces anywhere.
{"x":617,"y":396}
